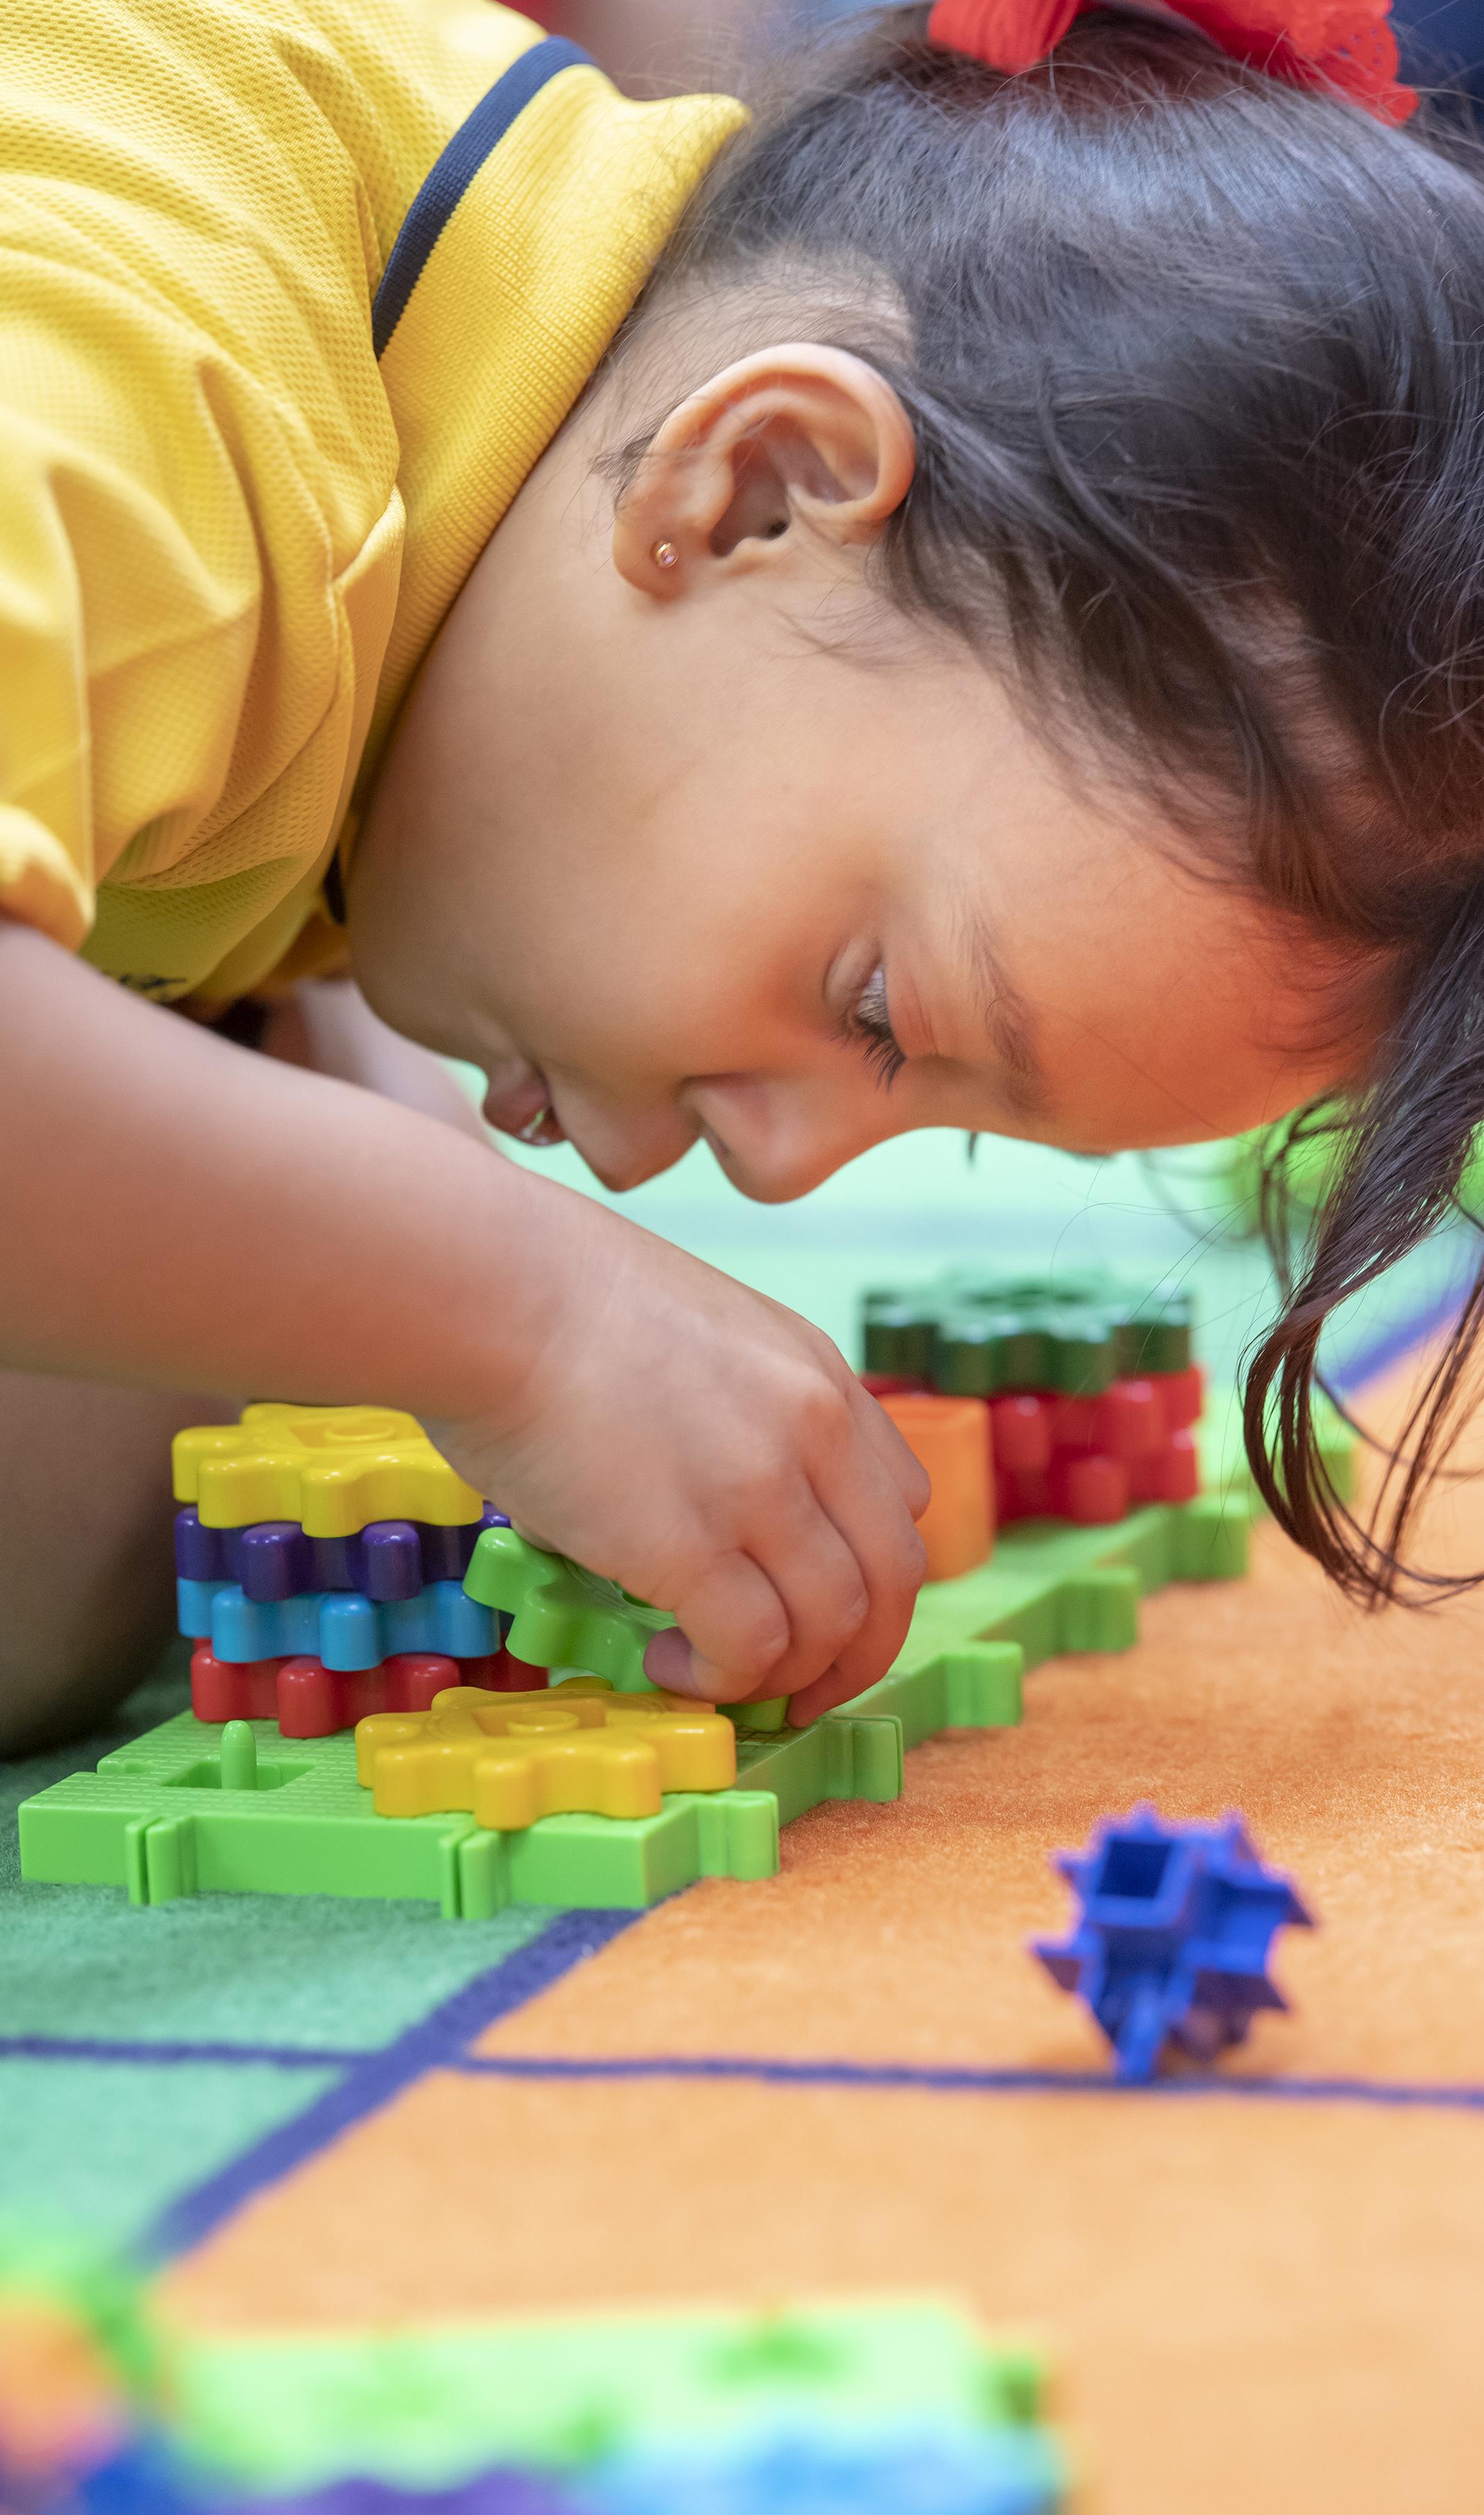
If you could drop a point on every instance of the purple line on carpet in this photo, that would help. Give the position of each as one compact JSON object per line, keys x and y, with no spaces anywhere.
{"x":1405,"y":1337}
{"x":438,"y":2042}
{"x":272,"y":2056}
{"x":863,"y":2075}
{"x":867,"y":2075}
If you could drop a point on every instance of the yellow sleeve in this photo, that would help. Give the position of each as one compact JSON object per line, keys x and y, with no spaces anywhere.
{"x":46,"y":841}
{"x":130,"y":588}
{"x":199,"y":532}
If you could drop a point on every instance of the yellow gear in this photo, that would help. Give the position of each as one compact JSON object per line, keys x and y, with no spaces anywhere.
{"x":510,"y":1758}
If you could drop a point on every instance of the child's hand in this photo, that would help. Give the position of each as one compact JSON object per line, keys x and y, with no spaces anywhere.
{"x":714,"y":1455}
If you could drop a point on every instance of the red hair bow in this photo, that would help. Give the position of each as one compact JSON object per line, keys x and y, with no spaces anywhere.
{"x":1343,"y":45}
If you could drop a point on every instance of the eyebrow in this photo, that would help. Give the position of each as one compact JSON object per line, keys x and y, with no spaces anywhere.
{"x":1006,"y":1019}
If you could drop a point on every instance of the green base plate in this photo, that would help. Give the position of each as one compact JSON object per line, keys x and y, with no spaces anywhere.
{"x":155,"y":1818}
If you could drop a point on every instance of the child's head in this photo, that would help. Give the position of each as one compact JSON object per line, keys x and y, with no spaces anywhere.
{"x":1065,"y":666}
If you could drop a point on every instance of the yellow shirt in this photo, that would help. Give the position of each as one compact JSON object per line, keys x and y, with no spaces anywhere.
{"x":292,"y":295}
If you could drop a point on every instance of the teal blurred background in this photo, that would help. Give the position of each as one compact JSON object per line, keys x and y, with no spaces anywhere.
{"x":911,"y":1206}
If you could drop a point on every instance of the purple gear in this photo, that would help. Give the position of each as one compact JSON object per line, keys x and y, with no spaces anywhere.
{"x":389,"y":1560}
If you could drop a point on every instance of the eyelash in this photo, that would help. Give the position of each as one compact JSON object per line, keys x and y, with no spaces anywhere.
{"x":868,"y":1024}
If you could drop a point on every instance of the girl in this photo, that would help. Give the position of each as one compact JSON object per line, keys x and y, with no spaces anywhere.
{"x":955,"y":606}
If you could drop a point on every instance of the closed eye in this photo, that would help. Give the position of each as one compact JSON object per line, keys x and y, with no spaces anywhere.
{"x":868,"y":1026}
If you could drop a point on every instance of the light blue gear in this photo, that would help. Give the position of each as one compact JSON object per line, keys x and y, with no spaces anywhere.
{"x":344,"y":1629}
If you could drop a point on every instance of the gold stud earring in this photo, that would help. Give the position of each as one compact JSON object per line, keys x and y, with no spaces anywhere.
{"x":665,"y":556}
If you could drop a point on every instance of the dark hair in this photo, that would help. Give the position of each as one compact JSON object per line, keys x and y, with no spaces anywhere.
{"x":1196,"y":365}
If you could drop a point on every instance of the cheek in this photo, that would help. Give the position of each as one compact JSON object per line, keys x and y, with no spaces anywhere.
{"x":652,"y":1006}
{"x":1181,"y":1062}
{"x":697,"y":985}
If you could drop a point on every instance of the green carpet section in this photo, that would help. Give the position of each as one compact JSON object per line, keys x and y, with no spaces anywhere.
{"x":96,"y":2149}
{"x":315,"y":1972}
{"x":98,"y":2146}
{"x":307,"y":1973}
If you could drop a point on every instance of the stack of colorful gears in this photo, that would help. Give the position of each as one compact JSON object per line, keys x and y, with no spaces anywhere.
{"x":1092,"y":1392}
{"x":320,"y":1556}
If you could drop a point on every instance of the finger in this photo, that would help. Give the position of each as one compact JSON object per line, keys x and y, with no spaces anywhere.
{"x":826,"y":1693}
{"x":533,"y":1536}
{"x":817,"y":1601}
{"x":733,"y":1632}
{"x":868,"y":1419}
{"x":762,"y":1693}
{"x":671,"y":1663}
{"x":870,"y":1515}
{"x":887,"y":1444}
{"x":821,"y":1586}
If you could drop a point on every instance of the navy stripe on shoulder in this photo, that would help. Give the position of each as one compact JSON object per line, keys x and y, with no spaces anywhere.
{"x":456,"y":169}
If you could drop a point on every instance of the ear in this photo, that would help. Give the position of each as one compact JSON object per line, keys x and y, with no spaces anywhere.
{"x":791,"y":442}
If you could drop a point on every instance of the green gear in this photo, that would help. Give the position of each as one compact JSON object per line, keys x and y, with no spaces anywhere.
{"x":564,"y":1616}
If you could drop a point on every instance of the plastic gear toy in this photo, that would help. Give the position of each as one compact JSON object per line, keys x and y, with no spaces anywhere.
{"x":330,"y":1470}
{"x":582,"y":1748}
{"x":1171,"y":1948}
{"x":563,"y":1615}
{"x":970,"y":1333}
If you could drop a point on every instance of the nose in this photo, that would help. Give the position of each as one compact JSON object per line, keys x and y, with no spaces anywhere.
{"x":777,"y":1140}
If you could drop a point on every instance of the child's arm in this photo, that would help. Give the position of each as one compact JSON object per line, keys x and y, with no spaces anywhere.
{"x":174,"y":1210}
